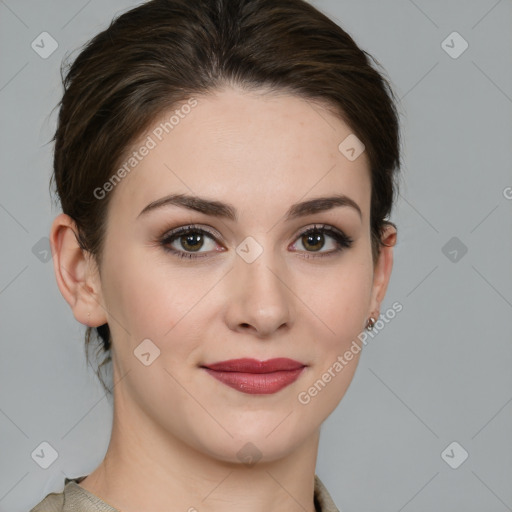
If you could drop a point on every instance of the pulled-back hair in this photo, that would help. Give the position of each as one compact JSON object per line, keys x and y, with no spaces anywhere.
{"x":163,"y":52}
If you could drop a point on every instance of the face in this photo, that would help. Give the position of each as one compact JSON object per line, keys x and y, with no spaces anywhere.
{"x":268,"y":281}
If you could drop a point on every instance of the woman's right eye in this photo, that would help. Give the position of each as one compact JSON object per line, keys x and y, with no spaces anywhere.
{"x":189,"y":238}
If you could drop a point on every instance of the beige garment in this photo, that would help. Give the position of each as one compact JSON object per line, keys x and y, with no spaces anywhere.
{"x":75,"y":498}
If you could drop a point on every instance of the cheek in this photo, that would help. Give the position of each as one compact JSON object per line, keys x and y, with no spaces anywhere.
{"x":156,"y":297}
{"x":340,"y":303}
{"x":158,"y":301}
{"x":150,"y":302}
{"x":340,"y":296}
{"x":128,"y":301}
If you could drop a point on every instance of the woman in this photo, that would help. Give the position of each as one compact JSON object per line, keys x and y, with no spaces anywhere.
{"x":225,"y":169}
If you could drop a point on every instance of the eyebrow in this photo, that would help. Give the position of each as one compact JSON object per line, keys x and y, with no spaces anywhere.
{"x":227,"y":211}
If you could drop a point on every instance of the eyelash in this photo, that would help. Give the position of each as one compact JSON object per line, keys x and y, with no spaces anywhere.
{"x":343,"y":241}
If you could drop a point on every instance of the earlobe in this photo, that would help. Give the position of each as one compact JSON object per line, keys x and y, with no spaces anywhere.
{"x":383,"y":268}
{"x":78,"y":283}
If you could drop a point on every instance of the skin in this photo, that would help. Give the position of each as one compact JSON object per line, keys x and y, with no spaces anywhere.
{"x":177,"y":430}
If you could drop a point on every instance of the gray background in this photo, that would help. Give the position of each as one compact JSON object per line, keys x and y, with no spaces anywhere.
{"x":437,"y":373}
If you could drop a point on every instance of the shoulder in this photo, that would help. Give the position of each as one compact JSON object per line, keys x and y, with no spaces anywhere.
{"x":62,"y":501}
{"x":73,"y":498}
{"x":323,"y":498}
{"x":53,"y":502}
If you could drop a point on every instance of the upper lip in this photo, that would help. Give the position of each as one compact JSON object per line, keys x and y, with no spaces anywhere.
{"x":246,"y":365}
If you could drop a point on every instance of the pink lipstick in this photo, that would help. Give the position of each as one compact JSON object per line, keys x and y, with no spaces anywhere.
{"x":256,"y":377}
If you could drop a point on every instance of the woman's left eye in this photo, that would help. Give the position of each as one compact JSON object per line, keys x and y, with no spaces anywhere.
{"x":192,"y":238}
{"x":315,"y":237}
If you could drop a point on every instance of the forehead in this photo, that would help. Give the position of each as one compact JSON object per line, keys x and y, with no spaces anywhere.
{"x":245,"y":148}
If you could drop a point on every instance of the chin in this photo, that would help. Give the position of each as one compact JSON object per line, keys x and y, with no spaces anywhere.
{"x":251,"y":443}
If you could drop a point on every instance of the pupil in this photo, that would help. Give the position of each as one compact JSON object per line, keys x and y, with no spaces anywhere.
{"x":189,"y":241}
{"x":318,"y":238}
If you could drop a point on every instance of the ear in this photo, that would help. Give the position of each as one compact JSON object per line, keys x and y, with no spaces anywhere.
{"x":382,"y":270}
{"x":76,"y":272}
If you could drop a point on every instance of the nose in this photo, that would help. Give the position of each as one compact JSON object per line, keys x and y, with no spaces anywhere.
{"x":260,"y":296}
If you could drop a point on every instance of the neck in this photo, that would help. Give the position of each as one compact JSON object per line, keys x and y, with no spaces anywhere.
{"x":148,"y":468}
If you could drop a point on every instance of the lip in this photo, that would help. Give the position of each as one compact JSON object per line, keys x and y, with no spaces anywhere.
{"x":256,"y":377}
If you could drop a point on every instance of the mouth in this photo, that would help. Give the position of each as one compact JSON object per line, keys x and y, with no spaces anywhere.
{"x":256,"y":377}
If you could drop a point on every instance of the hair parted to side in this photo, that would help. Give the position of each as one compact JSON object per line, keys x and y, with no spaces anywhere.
{"x":163,"y":52}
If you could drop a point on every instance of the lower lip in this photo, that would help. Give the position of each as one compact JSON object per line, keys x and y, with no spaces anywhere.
{"x":257,"y":383}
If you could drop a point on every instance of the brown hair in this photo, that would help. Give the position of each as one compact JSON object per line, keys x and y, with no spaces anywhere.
{"x":164,"y":52}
